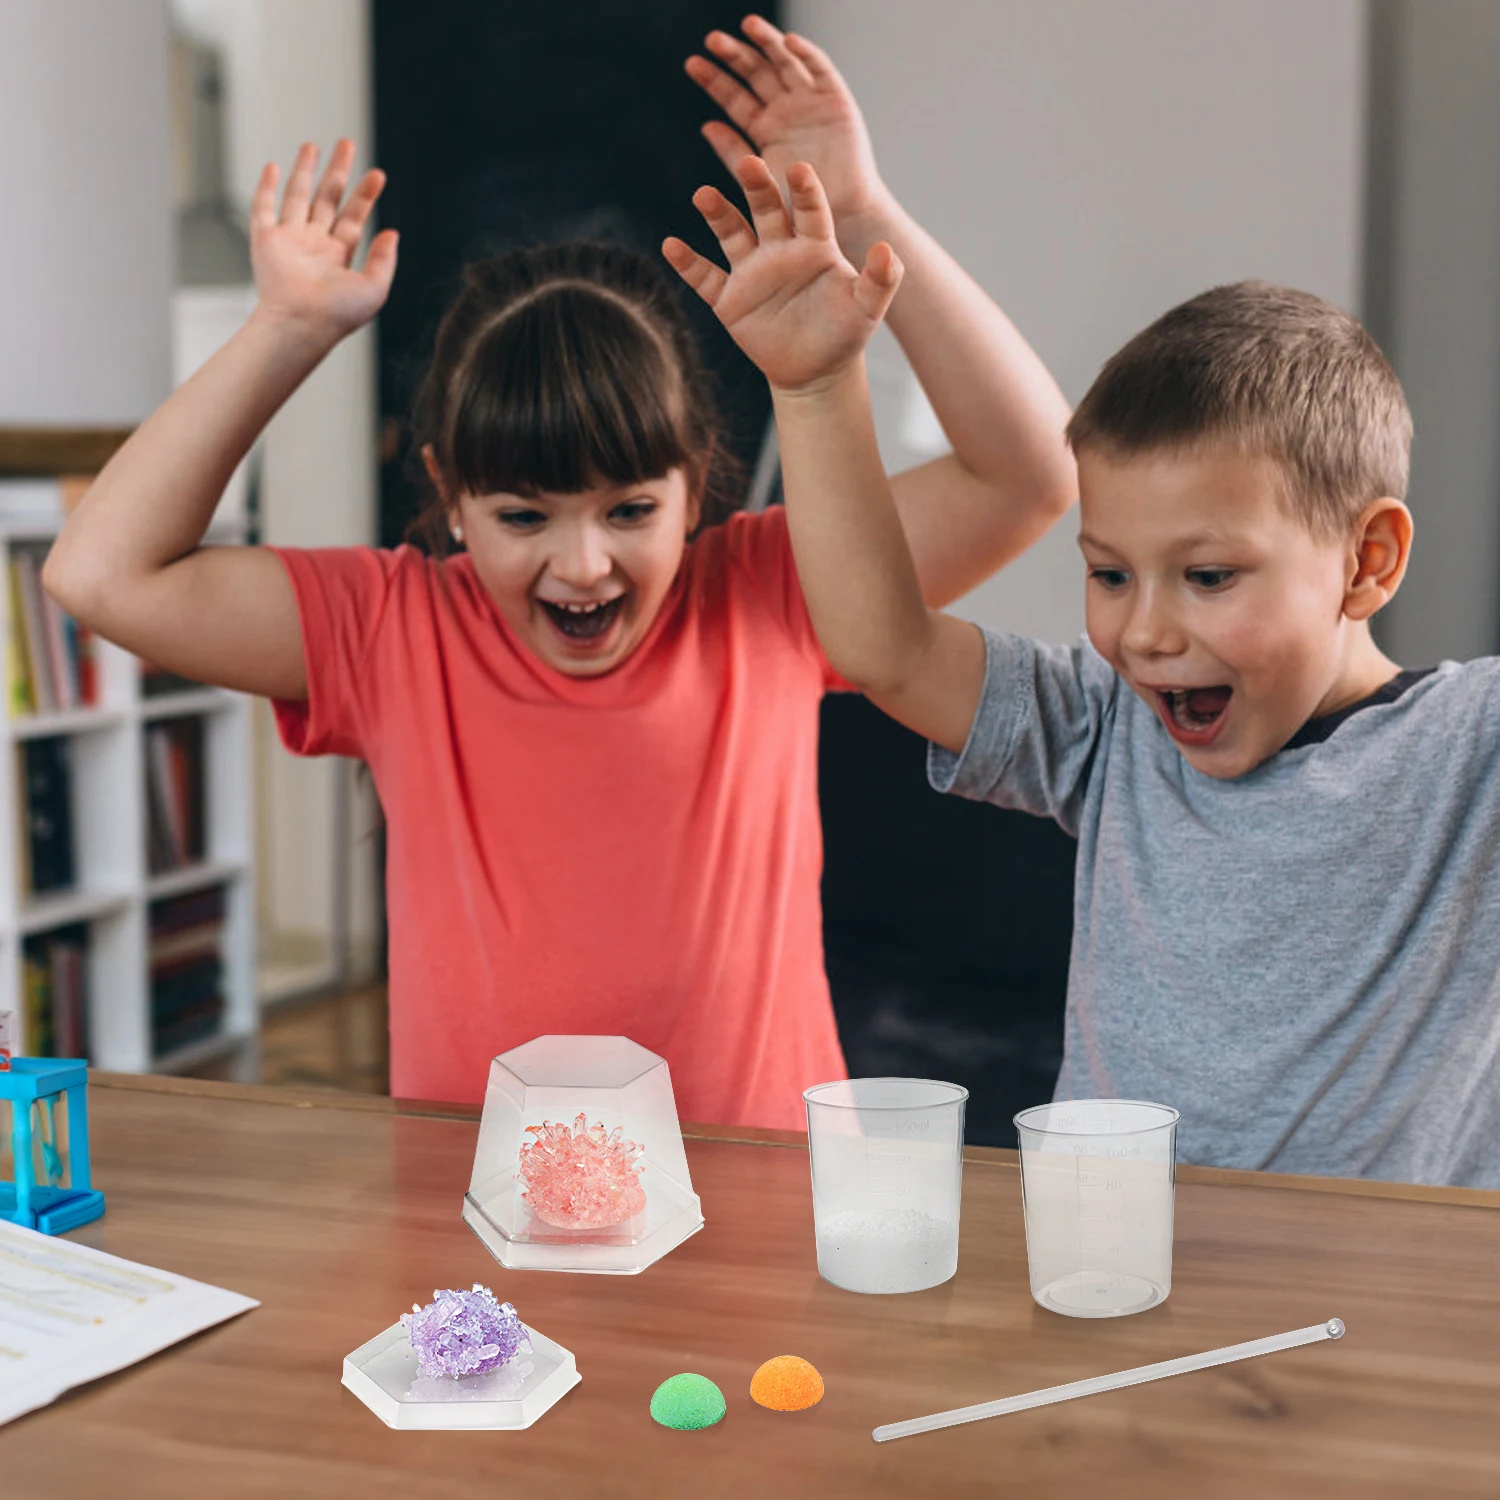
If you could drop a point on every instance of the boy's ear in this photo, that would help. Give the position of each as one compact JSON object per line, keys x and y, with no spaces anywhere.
{"x":1382,"y":548}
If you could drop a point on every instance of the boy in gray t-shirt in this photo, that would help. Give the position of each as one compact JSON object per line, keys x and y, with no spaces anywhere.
{"x":1287,"y":911}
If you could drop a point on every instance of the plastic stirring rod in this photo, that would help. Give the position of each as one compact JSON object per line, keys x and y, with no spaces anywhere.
{"x":1332,"y":1329}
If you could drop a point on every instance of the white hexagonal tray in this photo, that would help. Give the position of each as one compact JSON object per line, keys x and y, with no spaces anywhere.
{"x":622,"y":1250}
{"x":384,"y":1375}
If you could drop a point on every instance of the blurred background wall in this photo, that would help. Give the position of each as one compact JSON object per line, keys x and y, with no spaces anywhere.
{"x":1094,"y":163}
{"x":1091,"y":163}
{"x":86,"y":252}
{"x":1432,"y":298}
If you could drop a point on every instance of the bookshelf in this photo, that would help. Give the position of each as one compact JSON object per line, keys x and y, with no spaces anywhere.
{"x":140,"y":934}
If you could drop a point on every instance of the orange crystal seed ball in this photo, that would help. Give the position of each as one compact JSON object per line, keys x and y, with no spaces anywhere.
{"x":786,"y":1383}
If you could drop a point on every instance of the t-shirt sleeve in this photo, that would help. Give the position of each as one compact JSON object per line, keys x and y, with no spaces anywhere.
{"x":343,"y":594}
{"x":1036,"y":731}
{"x":760,"y":543}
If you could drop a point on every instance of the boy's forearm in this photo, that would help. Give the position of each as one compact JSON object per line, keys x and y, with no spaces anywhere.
{"x":852,"y":554}
{"x":1000,"y":407}
{"x":154,"y":500}
{"x":923,"y":668}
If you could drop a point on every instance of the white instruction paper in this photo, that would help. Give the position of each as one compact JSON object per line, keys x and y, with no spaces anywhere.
{"x":70,"y":1314}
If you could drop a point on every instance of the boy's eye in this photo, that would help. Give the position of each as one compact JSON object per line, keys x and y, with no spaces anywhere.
{"x":633,"y":510}
{"x":1110,"y":578}
{"x":520,"y":519}
{"x":1209,"y":578}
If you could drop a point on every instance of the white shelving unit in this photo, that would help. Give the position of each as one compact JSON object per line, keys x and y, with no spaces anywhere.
{"x":113,"y":891}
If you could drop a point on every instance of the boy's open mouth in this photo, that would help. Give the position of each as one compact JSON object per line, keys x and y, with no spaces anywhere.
{"x":1193,"y":716}
{"x":584,"y":622}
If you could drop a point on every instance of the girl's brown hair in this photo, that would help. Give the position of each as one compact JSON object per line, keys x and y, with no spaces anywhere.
{"x":558,"y":368}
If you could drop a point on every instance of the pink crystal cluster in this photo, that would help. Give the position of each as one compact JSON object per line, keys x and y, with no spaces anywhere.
{"x":583,"y":1178}
{"x":465,"y":1333}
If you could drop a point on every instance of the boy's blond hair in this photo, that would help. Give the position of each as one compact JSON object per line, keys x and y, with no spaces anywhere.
{"x":1273,"y":371}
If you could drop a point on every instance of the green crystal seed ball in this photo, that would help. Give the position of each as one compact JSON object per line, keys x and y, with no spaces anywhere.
{"x":686,"y":1402}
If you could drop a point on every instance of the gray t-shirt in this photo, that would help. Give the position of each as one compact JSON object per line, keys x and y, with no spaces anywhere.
{"x":1304,"y":961}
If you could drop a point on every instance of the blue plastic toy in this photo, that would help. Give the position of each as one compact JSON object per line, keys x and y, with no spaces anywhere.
{"x":33,"y":1087}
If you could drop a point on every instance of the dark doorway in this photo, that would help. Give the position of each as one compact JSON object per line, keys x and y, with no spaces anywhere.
{"x":502,"y":125}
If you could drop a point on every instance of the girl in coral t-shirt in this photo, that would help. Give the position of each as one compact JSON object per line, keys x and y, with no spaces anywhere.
{"x":591,"y":716}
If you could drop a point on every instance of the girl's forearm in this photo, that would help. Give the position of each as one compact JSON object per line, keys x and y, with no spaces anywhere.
{"x":154,"y":500}
{"x":852,"y":554}
{"x":999,"y":405}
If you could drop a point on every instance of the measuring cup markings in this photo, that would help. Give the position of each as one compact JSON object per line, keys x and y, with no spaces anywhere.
{"x":879,"y":1167}
{"x":1099,"y":1218}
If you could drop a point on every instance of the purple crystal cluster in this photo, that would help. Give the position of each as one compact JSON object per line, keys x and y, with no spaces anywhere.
{"x":465,"y":1333}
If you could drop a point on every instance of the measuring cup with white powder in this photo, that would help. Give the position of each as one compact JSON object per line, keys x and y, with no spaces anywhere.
{"x":887,"y":1170}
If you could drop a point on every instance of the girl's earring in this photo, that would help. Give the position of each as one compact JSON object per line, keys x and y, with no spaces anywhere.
{"x":458,"y":534}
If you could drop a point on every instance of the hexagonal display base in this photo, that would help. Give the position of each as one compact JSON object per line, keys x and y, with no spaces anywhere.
{"x":588,"y":1252}
{"x":384,"y":1375}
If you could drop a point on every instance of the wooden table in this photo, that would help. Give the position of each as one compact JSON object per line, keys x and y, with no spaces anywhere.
{"x":339,"y":1211}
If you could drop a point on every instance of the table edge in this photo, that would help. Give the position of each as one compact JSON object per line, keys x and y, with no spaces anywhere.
{"x":752,"y":1135}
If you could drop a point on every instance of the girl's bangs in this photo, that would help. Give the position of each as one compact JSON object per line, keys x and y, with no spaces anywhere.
{"x":567,"y":391}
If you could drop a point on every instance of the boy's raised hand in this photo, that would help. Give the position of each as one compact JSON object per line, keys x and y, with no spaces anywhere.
{"x":790,"y":299}
{"x":789,"y":104}
{"x":303,"y":257}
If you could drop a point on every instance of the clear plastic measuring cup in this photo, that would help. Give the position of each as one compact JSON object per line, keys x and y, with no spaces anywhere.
{"x":1097,"y":1179}
{"x":887,"y":1173}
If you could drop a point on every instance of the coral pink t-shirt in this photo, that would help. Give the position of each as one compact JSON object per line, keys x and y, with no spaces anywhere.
{"x":635,"y":854}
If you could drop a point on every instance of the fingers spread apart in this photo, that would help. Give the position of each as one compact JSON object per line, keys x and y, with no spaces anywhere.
{"x":263,"y":203}
{"x":789,"y":69}
{"x":767,"y":208}
{"x":350,"y":223}
{"x":380,"y":263}
{"x":298,"y":194}
{"x":811,"y":216}
{"x":878,"y":280}
{"x":728,"y":144}
{"x":726,"y":91}
{"x":814,"y":59}
{"x":735,"y":236}
{"x":325,"y":203}
{"x":301,"y":205}
{"x":761,"y":75}
{"x":701,"y":274}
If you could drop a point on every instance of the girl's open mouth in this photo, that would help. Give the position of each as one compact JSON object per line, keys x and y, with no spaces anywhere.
{"x":1193,"y":716}
{"x":584,"y":623}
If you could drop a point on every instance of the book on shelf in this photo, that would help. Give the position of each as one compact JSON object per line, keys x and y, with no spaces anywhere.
{"x":42,"y":501}
{"x":52,"y":662}
{"x":186,"y":958}
{"x":52,"y":983}
{"x":174,"y":794}
{"x":45,"y":783}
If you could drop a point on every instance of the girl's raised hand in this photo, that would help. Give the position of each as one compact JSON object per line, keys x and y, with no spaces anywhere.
{"x":303,"y":257}
{"x":788,"y":103}
{"x":790,"y":299}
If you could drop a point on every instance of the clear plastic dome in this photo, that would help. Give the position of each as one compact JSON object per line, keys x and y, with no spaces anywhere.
{"x":580,"y":1164}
